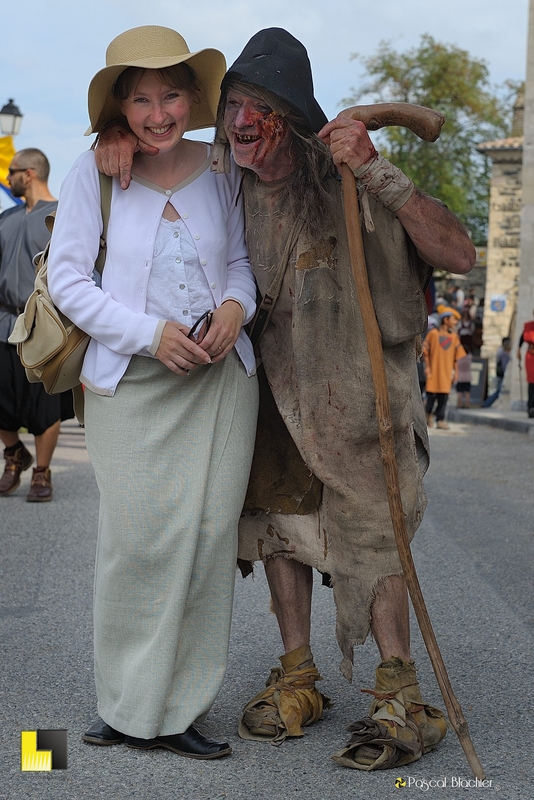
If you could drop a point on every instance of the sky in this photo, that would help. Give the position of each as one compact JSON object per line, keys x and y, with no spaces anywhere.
{"x":52,"y":48}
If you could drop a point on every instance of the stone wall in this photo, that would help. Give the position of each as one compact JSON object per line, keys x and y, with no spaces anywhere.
{"x":503,"y":256}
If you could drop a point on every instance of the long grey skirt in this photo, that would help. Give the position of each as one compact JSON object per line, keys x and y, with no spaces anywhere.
{"x":172,"y":456}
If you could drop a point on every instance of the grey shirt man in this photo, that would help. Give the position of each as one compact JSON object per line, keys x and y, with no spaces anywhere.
{"x":23,"y":234}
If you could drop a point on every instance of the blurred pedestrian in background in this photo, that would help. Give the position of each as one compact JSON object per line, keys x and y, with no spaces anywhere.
{"x":463,"y":380}
{"x":23,"y":234}
{"x":528,"y":337}
{"x":466,"y":330}
{"x":502,"y":359}
{"x":441,"y":350}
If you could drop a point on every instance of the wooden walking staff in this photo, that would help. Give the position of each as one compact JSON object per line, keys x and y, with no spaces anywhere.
{"x":427,"y":125}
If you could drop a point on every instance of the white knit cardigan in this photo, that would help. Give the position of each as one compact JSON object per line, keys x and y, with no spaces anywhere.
{"x":115,"y":316}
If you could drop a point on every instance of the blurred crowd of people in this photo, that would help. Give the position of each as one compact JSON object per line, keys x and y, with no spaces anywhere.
{"x":453,"y":339}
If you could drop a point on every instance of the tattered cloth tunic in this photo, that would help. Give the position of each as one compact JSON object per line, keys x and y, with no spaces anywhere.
{"x":324,"y":501}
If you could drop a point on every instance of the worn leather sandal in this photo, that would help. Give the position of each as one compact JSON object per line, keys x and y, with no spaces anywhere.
{"x":289,"y":702}
{"x":400,"y":728}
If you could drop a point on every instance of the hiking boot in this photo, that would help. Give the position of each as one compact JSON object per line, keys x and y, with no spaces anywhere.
{"x":429,"y":420}
{"x":41,"y":486}
{"x":16,"y":463}
{"x":442,"y":425}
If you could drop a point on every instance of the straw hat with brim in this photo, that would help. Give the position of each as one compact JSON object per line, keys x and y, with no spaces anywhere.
{"x":155,"y":47}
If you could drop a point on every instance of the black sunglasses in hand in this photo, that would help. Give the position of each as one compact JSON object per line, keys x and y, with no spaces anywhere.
{"x":206,"y":317}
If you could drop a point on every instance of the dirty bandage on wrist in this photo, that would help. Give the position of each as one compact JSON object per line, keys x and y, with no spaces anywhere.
{"x":386,"y":182}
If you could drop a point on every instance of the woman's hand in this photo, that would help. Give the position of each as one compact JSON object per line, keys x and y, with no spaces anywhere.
{"x":180,"y":354}
{"x":224,"y":330}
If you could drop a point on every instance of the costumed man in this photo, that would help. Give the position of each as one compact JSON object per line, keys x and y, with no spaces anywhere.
{"x":528,"y":337}
{"x":317,"y":496}
{"x":441,"y":351}
{"x":23,"y":234}
{"x":502,"y":359}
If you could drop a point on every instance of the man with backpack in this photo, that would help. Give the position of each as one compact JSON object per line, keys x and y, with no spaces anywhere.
{"x":23,"y":233}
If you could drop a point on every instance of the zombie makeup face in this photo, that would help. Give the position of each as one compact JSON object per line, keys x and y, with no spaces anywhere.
{"x":258,"y":136}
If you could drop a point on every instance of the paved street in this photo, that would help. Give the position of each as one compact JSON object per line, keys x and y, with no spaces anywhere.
{"x":474,"y":557}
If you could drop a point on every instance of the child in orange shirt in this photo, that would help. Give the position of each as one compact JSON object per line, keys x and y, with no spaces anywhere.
{"x":441,"y":350}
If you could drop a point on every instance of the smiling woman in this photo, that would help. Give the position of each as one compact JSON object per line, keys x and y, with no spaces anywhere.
{"x":157,"y":103}
{"x":170,"y":392}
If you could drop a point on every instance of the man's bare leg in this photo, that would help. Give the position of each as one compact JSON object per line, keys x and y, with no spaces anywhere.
{"x":45,"y":444}
{"x":291,"y":582}
{"x":9,"y":438}
{"x":371,"y":746}
{"x":390,"y":619}
{"x":291,"y":586}
{"x":284,"y":707}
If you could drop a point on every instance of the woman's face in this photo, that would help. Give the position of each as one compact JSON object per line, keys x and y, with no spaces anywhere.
{"x":157,"y":113}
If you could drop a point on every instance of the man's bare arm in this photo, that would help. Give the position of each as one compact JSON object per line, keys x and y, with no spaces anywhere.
{"x":439,"y":237}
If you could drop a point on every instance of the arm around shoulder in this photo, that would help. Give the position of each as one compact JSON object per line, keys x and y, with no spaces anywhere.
{"x":240,"y":285}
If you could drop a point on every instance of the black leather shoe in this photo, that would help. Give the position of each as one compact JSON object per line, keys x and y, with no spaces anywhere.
{"x":191,"y":744}
{"x":103,"y":734}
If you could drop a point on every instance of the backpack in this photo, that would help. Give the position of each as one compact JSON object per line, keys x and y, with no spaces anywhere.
{"x":50,"y":346}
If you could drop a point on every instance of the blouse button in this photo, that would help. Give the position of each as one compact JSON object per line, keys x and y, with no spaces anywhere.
{"x":197,"y":236}
{"x":203,"y":262}
{"x":182,"y":286}
{"x":213,"y":285}
{"x":186,"y":312}
{"x":185,"y":216}
{"x":176,"y":234}
{"x":168,"y":192}
{"x":178,"y":260}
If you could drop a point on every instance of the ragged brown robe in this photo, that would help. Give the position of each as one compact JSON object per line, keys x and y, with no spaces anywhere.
{"x":327,"y":507}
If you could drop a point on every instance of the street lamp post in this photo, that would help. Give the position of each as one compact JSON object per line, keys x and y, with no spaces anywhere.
{"x":10,"y":119}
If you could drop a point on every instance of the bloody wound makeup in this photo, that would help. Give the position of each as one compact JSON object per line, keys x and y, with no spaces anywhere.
{"x":258,"y":136}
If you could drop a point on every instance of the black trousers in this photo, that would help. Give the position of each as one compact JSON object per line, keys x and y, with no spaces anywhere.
{"x":441,"y":399}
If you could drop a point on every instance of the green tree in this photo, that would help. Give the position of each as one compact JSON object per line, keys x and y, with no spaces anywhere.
{"x":447,"y":79}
